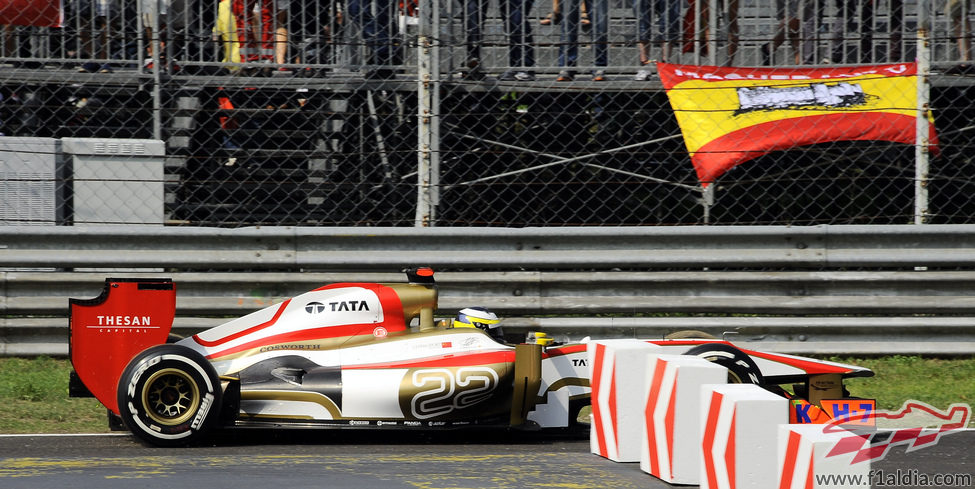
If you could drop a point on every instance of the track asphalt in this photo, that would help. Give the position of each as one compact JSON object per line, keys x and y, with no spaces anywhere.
{"x":384,"y":460}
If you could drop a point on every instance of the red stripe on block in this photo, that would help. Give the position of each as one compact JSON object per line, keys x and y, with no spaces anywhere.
{"x":614,"y":422}
{"x":809,"y":474}
{"x":708,"y":440}
{"x":789,"y":465}
{"x":597,"y":418}
{"x":729,"y":454}
{"x":652,"y":401}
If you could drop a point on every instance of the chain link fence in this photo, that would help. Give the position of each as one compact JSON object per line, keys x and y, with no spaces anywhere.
{"x":488,"y":113}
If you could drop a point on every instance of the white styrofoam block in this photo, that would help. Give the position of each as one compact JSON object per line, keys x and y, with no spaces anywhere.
{"x":618,"y":378}
{"x":739,"y":436}
{"x":803,"y":460}
{"x":671,"y":435}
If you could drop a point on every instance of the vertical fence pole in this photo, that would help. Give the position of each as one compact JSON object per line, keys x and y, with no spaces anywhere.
{"x":156,"y":79}
{"x":707,"y":202}
{"x":428,"y":115}
{"x":922,"y":129}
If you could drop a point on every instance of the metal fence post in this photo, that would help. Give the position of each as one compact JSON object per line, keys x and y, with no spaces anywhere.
{"x":428,"y":115}
{"x":921,"y":136}
{"x":156,"y":79}
{"x":707,"y":202}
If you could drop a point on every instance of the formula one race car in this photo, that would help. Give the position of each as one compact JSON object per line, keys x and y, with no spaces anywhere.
{"x":361,"y":355}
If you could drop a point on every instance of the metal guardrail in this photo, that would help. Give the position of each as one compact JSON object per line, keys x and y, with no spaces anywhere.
{"x":341,"y":248}
{"x":822,"y":289}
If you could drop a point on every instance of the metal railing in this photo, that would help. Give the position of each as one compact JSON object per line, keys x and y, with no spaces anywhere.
{"x":428,"y":144}
{"x":822,"y":289}
{"x":328,"y":37}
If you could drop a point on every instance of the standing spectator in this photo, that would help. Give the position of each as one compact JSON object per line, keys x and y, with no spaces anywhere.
{"x":787,"y":11}
{"x":225,"y":34}
{"x":10,"y":47}
{"x":374,"y":19}
{"x":171,"y":16}
{"x":702,"y":8}
{"x":668,"y":21}
{"x":555,"y":16}
{"x":569,"y":40}
{"x":521,"y":52}
{"x":961,"y":28}
{"x":315,"y":28}
{"x":262,"y":30}
{"x":854,"y":22}
{"x":896,"y":26}
{"x":96,"y":18}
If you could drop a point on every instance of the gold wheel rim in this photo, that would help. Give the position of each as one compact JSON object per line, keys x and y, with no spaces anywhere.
{"x":170,"y":397}
{"x":733,"y":378}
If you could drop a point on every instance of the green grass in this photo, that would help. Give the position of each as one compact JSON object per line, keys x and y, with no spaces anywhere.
{"x":936,"y":381}
{"x":34,"y":392}
{"x":34,"y":395}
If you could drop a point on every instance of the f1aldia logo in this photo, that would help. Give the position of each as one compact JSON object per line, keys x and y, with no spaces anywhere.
{"x":916,"y":424}
{"x":314,"y":308}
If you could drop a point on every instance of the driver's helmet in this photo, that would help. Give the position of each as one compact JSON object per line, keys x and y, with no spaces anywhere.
{"x":479,"y":317}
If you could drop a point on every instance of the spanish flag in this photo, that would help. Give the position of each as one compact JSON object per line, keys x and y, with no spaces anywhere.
{"x":40,"y":13}
{"x":731,"y":115}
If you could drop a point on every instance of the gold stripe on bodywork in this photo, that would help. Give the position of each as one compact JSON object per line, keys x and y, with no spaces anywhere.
{"x":565,"y":382}
{"x":275,"y":395}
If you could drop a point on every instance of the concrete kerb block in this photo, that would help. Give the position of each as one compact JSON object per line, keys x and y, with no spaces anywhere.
{"x":618,"y":379}
{"x":739,"y":436}
{"x":803,"y":461}
{"x":671,"y":435}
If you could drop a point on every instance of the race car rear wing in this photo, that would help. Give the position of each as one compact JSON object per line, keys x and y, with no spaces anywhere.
{"x":129,"y":316}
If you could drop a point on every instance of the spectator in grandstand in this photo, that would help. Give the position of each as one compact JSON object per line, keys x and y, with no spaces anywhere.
{"x":96,"y":18}
{"x":569,"y":39}
{"x":701,"y":9}
{"x":315,"y":28}
{"x":896,"y":26}
{"x":789,"y":15}
{"x":375,"y":21}
{"x":254,"y":31}
{"x":225,"y":34}
{"x":854,"y":23}
{"x":555,"y":16}
{"x":961,"y":28}
{"x":171,"y":17}
{"x":17,"y":43}
{"x":668,"y":22}
{"x":802,"y":20}
{"x":10,"y":46}
{"x":521,"y":52}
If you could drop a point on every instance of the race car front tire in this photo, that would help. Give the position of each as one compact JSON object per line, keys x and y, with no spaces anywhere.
{"x":741,"y":368}
{"x":169,"y":395}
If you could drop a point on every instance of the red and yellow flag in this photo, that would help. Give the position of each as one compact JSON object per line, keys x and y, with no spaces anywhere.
{"x":40,"y":13}
{"x":731,"y":115}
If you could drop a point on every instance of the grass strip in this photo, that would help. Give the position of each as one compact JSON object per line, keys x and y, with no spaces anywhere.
{"x":34,"y":391}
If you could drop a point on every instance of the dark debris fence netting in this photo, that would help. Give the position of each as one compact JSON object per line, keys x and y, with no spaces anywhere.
{"x":306,"y":113}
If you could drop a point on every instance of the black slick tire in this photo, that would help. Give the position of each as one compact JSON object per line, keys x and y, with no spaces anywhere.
{"x":169,"y":395}
{"x":741,"y":368}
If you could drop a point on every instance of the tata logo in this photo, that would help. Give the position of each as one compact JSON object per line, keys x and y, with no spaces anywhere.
{"x":314,"y":308}
{"x":349,"y":306}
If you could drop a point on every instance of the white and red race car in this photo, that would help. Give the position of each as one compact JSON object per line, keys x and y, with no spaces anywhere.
{"x":361,"y":355}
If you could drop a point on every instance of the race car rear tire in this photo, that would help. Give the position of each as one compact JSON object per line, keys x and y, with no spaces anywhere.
{"x":689,"y":334}
{"x":741,"y":368}
{"x":169,"y":395}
